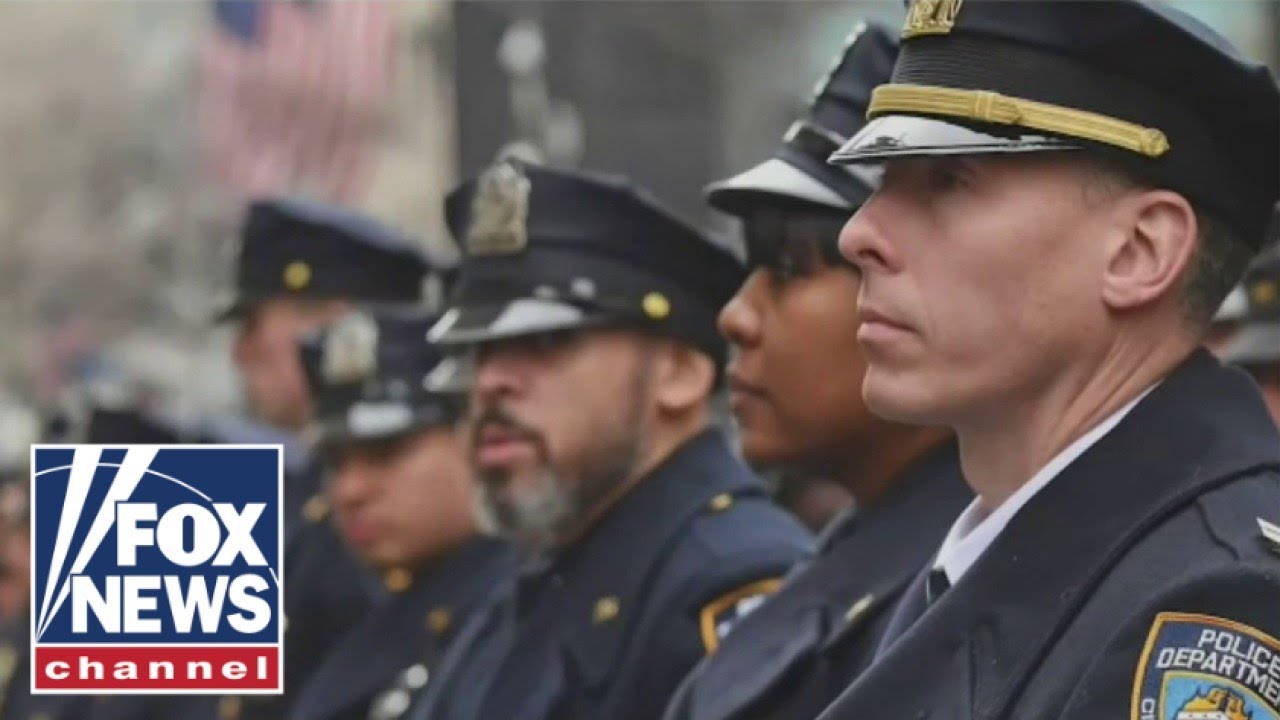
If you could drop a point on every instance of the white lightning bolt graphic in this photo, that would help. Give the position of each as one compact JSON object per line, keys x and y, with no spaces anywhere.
{"x":132,"y":468}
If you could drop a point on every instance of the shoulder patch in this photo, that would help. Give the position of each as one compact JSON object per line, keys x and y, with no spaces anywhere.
{"x":719,"y":616}
{"x":1198,"y":667}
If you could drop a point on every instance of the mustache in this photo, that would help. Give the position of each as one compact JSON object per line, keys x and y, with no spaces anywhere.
{"x":496,"y":417}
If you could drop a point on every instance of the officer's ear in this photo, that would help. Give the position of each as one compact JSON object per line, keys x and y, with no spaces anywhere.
{"x":682,"y":377}
{"x":1151,"y":248}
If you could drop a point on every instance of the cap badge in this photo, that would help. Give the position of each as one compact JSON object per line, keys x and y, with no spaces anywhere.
{"x":499,"y":212}
{"x":931,"y":17}
{"x":297,"y":275}
{"x":350,"y":349}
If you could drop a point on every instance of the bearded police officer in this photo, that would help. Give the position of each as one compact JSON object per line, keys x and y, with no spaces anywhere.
{"x":301,"y":264}
{"x":590,"y":311}
{"x":796,"y":384}
{"x":1070,"y":191}
{"x":403,"y":500}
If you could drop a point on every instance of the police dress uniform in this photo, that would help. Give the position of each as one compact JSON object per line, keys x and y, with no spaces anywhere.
{"x":304,"y":249}
{"x":607,"y":626}
{"x":367,"y":372}
{"x":793,"y":656}
{"x":16,"y":700}
{"x":1141,"y":580}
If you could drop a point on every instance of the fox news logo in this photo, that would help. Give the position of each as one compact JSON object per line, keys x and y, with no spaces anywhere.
{"x":156,"y":569}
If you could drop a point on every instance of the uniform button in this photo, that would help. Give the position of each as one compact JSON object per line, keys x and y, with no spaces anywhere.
{"x":439,"y":620}
{"x":721,"y":502}
{"x":316,"y":508}
{"x":397,"y":580}
{"x":606,"y":609}
{"x":229,"y":708}
{"x":557,"y":581}
{"x":416,"y":676}
{"x":396,"y":703}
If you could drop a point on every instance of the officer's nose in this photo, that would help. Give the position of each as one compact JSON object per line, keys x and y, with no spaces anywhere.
{"x":350,"y":481}
{"x":739,"y":320}
{"x":862,"y":240}
{"x":495,"y":375}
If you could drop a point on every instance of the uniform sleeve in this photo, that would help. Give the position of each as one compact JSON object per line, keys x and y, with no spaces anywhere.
{"x":1205,"y":649}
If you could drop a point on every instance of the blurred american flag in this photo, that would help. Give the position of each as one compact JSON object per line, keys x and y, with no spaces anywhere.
{"x":292,"y":93}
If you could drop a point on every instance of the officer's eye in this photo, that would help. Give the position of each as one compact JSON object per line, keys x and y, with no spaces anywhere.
{"x":948,"y":174}
{"x":538,"y":345}
{"x":797,"y":260}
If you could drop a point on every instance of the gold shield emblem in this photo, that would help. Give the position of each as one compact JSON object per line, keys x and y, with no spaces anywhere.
{"x":931,"y":17}
{"x":350,"y":350}
{"x":499,"y":212}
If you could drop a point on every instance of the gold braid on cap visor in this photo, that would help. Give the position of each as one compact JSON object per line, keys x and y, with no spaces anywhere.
{"x":994,"y":108}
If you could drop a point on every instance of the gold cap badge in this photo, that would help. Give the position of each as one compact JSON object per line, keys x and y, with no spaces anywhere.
{"x":931,"y":17}
{"x":499,"y":211}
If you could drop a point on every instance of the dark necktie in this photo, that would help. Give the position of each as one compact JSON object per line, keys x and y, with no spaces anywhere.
{"x":935,"y":585}
{"x":923,"y":592}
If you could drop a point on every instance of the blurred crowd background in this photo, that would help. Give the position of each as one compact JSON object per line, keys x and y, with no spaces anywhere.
{"x":133,"y":132}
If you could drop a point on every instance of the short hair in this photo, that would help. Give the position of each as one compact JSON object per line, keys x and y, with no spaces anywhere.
{"x":1220,"y":257}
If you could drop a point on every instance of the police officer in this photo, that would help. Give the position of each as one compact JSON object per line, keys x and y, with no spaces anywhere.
{"x":403,"y":499}
{"x":301,"y":264}
{"x":1070,"y":190}
{"x":1256,"y":347}
{"x":590,"y":312}
{"x":796,"y":385}
{"x":16,"y":701}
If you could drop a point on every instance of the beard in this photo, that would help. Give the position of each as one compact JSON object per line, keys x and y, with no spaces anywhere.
{"x":540,"y":506}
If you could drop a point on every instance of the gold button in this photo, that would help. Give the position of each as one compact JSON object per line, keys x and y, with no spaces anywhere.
{"x":656,"y":305}
{"x":607,"y":608}
{"x":721,"y":502}
{"x":397,"y":580}
{"x":439,"y":620}
{"x":229,"y":708}
{"x":297,"y":275}
{"x":316,"y":508}
{"x":858,"y":608}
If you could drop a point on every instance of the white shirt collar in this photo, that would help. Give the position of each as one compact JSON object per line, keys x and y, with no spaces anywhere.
{"x":975,"y":529}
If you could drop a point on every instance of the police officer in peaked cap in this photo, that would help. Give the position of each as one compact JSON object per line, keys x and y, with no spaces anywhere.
{"x":587,"y":314}
{"x":403,"y":500}
{"x":796,"y":383}
{"x":301,"y":264}
{"x":1070,"y":190}
{"x":1256,"y":346}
